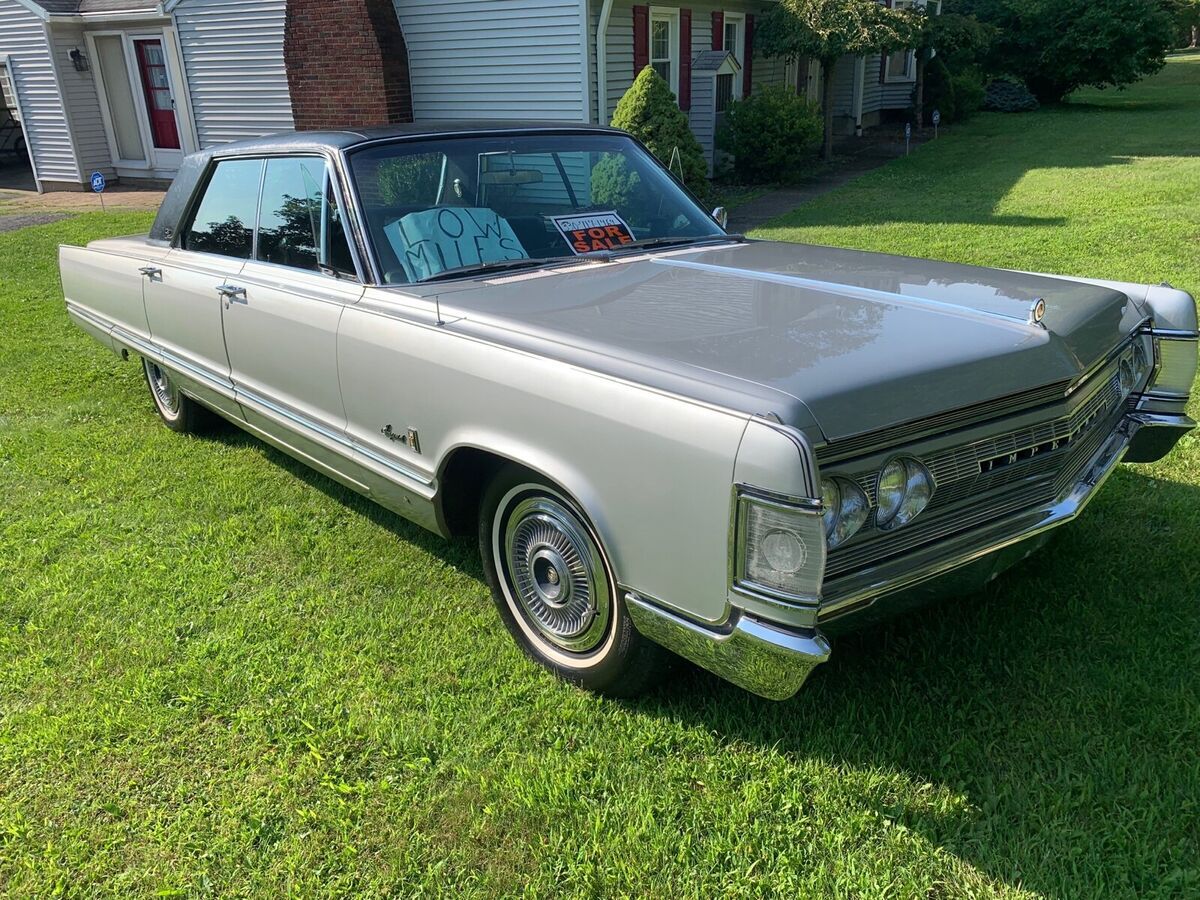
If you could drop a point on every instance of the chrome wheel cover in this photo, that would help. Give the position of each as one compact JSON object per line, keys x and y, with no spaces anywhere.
{"x":166,"y":394}
{"x":556,"y":574}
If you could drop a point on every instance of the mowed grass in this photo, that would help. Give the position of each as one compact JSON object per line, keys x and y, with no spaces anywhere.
{"x":222,"y":675}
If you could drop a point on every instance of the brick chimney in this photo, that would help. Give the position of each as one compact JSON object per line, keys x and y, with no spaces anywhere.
{"x":347,"y":64}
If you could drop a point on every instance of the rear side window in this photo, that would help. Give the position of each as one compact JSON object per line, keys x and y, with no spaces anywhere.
{"x":299,"y":223}
{"x":224,"y":220}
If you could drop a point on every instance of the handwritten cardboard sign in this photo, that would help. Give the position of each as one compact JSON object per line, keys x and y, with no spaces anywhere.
{"x":448,"y":237}
{"x":593,"y":231}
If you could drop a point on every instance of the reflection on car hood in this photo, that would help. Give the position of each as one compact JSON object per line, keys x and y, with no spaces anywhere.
{"x":863,"y":340}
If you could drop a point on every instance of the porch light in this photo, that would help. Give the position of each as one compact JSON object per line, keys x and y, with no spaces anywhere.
{"x":78,"y":60}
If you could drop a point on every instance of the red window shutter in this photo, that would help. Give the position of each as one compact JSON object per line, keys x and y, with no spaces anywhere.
{"x":718,"y":35}
{"x":748,"y":56}
{"x":685,"y":59}
{"x":641,"y":39}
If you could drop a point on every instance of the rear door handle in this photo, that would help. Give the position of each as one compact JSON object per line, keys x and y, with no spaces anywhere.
{"x":231,"y":292}
{"x":151,"y":271}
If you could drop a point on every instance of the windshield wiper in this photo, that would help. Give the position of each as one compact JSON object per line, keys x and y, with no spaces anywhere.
{"x":654,"y":243}
{"x":501,"y":265}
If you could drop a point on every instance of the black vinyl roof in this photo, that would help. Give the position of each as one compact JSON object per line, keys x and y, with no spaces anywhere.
{"x":351,"y":137}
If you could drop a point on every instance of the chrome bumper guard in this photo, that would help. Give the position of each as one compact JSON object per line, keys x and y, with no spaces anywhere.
{"x":774,"y":661}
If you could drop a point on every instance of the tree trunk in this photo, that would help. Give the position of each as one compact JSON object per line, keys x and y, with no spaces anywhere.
{"x":827,"y":105}
{"x":919,"y":104}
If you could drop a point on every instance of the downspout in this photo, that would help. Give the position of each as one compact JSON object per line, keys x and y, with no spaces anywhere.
{"x":602,"y":62}
{"x":860,"y":78}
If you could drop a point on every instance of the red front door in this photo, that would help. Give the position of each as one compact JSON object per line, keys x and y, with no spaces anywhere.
{"x":152,"y":65}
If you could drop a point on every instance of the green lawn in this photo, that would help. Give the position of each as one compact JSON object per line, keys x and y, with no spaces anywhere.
{"x":221,"y":674}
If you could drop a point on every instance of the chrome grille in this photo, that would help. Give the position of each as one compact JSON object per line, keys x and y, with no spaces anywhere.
{"x":1040,"y":462}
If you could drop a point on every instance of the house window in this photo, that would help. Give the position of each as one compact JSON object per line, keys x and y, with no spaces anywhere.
{"x":899,"y":67}
{"x":735,"y":43}
{"x":664,"y":45}
{"x":724,"y":91}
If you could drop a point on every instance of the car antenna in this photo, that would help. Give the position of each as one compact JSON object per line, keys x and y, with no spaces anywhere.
{"x":437,"y":309}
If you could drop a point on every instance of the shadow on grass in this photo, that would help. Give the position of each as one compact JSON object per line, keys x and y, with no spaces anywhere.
{"x":1059,"y":702}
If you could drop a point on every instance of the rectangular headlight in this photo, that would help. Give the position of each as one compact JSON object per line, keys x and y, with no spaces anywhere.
{"x":1177,"y":366}
{"x":780,"y":547}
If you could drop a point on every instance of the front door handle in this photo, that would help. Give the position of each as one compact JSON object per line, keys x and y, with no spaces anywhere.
{"x":231,"y":292}
{"x":151,"y":271}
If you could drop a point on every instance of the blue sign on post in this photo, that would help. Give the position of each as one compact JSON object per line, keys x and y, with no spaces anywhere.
{"x":937,"y":117}
{"x":98,"y":182}
{"x":907,"y":137}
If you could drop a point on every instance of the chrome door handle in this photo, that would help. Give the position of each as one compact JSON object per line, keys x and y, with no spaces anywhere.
{"x":151,"y":271}
{"x":231,"y":292}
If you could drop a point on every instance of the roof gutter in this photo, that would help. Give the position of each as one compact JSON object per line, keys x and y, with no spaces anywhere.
{"x":602,"y":62}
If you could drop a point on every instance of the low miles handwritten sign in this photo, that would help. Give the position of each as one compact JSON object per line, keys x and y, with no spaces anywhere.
{"x":435,"y":240}
{"x":594,"y":231}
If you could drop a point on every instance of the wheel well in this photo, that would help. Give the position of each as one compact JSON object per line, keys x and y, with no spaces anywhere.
{"x":464,"y":478}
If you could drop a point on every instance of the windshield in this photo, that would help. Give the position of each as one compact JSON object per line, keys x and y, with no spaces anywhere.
{"x":452,"y":206}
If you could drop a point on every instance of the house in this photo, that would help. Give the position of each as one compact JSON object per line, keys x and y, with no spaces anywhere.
{"x":128,"y":87}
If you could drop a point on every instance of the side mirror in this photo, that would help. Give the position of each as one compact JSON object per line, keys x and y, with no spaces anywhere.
{"x":721,"y":216}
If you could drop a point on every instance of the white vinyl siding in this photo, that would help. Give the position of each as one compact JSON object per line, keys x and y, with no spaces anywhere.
{"x":81,"y":101}
{"x":23,"y":41}
{"x":233,"y":54}
{"x":495,"y":59}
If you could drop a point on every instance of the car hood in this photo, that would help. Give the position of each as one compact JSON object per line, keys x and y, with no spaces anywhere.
{"x":862,"y":340}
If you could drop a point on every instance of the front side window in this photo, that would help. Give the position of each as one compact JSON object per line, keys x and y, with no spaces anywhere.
{"x":438,"y":207}
{"x":224,"y":220}
{"x":299,"y":223}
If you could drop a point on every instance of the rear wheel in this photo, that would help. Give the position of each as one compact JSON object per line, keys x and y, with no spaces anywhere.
{"x":178,"y":411}
{"x":555,"y":589}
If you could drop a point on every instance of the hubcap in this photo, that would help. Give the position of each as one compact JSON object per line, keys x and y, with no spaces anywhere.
{"x":557,"y":576}
{"x":165,"y":393}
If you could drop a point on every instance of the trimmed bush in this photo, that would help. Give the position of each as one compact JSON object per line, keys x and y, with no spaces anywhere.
{"x":650,"y":112}
{"x":1008,"y":95}
{"x":770,"y":135}
{"x":968,"y":93}
{"x":955,"y":94}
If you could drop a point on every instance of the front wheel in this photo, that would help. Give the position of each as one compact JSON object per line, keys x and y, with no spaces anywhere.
{"x":555,"y":589}
{"x":178,"y":411}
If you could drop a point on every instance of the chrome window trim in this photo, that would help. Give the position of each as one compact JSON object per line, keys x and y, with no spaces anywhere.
{"x":336,"y":180}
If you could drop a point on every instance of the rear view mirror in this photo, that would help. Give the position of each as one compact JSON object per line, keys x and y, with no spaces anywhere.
{"x":721,"y":216}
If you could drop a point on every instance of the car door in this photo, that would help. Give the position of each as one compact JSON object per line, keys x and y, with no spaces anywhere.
{"x":281,"y":315}
{"x":182,"y":290}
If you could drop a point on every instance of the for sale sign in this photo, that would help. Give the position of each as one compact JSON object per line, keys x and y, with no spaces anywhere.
{"x":594,"y":231}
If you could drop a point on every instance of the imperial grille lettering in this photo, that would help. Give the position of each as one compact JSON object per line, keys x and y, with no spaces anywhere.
{"x":1012,"y":458}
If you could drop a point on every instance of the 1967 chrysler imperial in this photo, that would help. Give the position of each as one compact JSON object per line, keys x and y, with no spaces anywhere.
{"x":664,"y":435}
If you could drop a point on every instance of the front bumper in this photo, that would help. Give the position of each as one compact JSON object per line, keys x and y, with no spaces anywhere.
{"x":774,"y":661}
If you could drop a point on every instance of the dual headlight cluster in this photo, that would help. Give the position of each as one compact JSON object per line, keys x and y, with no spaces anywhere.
{"x":903,"y":488}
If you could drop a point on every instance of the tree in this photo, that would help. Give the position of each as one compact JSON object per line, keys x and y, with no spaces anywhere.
{"x":650,"y":112}
{"x":1187,"y":14}
{"x":827,"y":30}
{"x":1059,"y":46}
{"x":955,"y":37}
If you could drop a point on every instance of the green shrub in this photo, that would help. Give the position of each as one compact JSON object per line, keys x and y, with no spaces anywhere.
{"x":770,"y":135}
{"x":956,"y":95}
{"x":1008,"y":95}
{"x":968,"y":93}
{"x":650,"y":112}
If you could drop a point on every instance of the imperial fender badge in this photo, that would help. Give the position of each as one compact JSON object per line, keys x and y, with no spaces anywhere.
{"x":1037,"y":312}
{"x":408,"y":438}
